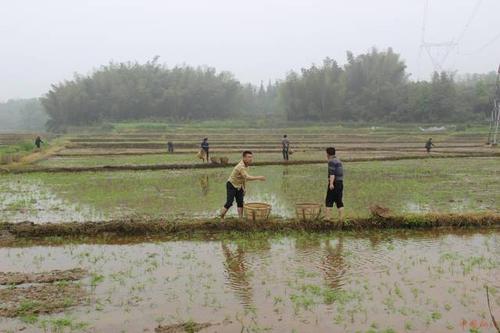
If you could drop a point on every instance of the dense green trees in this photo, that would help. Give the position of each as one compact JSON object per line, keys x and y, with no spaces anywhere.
{"x":369,"y":87}
{"x":133,"y":91}
{"x":317,"y":93}
{"x":375,"y":87}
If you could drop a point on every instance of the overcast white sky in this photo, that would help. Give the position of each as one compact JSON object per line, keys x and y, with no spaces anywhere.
{"x":43,"y":42}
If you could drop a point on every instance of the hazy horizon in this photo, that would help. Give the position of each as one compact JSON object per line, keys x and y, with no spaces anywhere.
{"x":47,"y":42}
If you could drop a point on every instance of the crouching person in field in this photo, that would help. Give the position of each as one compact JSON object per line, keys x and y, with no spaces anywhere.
{"x":235,"y":185}
{"x":335,"y":185}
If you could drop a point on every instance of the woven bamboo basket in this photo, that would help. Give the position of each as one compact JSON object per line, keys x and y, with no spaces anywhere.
{"x":257,"y":211}
{"x":307,"y":211}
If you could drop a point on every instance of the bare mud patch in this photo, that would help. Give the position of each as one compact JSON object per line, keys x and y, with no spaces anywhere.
{"x":189,"y":327}
{"x":40,"y":299}
{"x":15,"y":278}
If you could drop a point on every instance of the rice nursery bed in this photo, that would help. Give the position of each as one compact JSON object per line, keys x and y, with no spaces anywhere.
{"x":404,"y":186}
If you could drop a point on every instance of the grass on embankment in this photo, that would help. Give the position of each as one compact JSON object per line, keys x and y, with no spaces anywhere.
{"x":14,"y":152}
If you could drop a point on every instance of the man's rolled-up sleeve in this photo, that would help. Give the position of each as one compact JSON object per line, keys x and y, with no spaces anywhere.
{"x":332,"y":168}
{"x":244,"y":173}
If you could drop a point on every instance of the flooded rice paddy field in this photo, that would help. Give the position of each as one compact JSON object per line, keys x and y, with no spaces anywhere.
{"x":369,"y":282}
{"x":406,"y":186}
{"x":377,"y":281}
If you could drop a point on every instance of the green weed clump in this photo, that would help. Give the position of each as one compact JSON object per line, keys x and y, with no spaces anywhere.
{"x":14,"y":153}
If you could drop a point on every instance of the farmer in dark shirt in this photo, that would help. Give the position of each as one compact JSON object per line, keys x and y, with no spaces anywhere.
{"x":205,"y":147}
{"x":285,"y":143}
{"x":38,"y":142}
{"x":429,"y":145}
{"x":170,"y":146}
{"x":335,"y":185}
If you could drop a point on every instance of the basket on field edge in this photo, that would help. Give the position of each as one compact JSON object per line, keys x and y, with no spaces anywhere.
{"x":257,"y":211}
{"x":307,"y":211}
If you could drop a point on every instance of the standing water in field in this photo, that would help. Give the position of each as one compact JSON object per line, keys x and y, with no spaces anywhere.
{"x":387,"y":281}
{"x":31,"y":201}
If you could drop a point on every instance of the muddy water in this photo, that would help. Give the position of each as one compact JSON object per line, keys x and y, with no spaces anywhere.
{"x":338,"y":282}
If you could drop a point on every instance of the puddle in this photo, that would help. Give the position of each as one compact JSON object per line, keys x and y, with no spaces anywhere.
{"x":430,"y":281}
{"x":413,"y":207}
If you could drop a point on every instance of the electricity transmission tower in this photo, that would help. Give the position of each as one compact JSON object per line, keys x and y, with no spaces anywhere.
{"x":495,"y":114}
{"x":439,"y":52}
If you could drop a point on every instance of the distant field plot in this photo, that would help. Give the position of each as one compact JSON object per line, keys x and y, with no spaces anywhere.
{"x":136,"y":145}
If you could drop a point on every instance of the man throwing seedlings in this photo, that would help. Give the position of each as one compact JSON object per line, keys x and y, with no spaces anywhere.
{"x":335,"y":185}
{"x":235,"y":185}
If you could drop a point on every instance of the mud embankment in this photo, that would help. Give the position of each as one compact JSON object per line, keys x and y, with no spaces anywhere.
{"x":144,"y":227}
{"x":135,"y":152}
{"x":212,"y":165}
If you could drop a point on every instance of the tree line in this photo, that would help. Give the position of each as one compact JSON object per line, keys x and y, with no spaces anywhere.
{"x":374,"y":86}
{"x":22,"y":114}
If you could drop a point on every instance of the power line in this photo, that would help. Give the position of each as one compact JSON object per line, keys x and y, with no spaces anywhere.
{"x":422,"y":38}
{"x":469,"y":21}
{"x":446,"y":47}
{"x":484,"y":46}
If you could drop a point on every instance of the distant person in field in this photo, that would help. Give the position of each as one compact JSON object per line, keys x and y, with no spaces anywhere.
{"x":38,"y":142}
{"x":429,"y":145}
{"x":170,"y":146}
{"x":285,"y":145}
{"x":205,"y":148}
{"x":335,"y":185}
{"x":236,"y":184}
